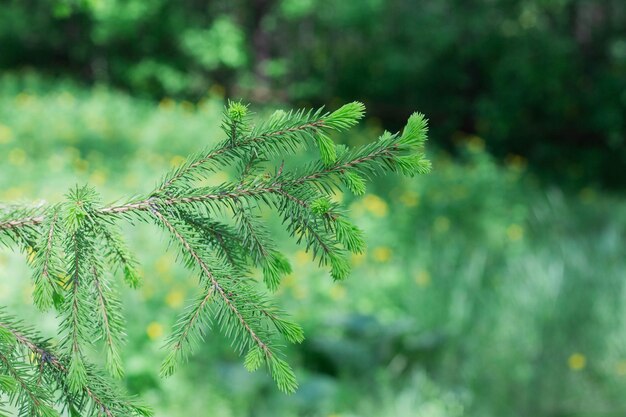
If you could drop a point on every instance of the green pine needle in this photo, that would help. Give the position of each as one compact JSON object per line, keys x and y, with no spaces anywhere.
{"x":283,"y":375}
{"x":237,"y":111}
{"x":354,"y":182}
{"x":328,"y":153}
{"x":321,"y":206}
{"x":6,"y":337}
{"x":132,"y":277}
{"x":350,"y":236}
{"x":293,"y":332}
{"x":254,"y":359}
{"x":346,"y":116}
{"x":340,"y":267}
{"x":77,"y":374}
{"x":416,"y":130}
{"x":8,"y":384}
{"x":221,"y":234}
{"x":275,"y":267}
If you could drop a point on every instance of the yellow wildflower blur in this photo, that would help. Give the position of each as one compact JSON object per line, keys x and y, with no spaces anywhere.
{"x":515,"y":232}
{"x":577,"y":361}
{"x":6,"y":135}
{"x":131,"y":180}
{"x":163,"y":264}
{"x":587,"y":195}
{"x":289,"y":281}
{"x":167,"y":103}
{"x":357,"y":259}
{"x":516,"y":162}
{"x":24,"y":99}
{"x":175,"y":298}
{"x":154,"y":330}
{"x":410,"y":198}
{"x":177,"y":160}
{"x":442,"y":224}
{"x":337,"y":292}
{"x":475,"y":144}
{"x":217,"y":90}
{"x":382,"y":254}
{"x":13,"y":193}
{"x":187,"y":106}
{"x":81,"y":165}
{"x":375,"y":205}
{"x":300,"y":292}
{"x":98,"y":177}
{"x":303,"y":258}
{"x":147,"y":290}
{"x":423,"y":279}
{"x":17,"y":157}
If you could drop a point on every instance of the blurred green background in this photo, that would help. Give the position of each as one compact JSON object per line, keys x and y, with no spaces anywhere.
{"x":494,"y":286}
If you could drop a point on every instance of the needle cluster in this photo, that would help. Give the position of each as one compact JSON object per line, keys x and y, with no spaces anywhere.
{"x":76,"y":250}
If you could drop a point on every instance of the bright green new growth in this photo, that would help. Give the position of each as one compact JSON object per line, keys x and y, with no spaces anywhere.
{"x":219,"y":235}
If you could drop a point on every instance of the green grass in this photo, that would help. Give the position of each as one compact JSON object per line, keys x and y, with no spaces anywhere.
{"x":482,"y":293}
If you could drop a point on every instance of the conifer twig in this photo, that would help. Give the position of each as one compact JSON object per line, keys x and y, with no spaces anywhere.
{"x":72,"y":245}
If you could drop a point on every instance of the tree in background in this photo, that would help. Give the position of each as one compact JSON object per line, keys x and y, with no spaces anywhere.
{"x":543,"y":79}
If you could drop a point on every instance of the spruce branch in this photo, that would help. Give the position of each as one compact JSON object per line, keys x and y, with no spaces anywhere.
{"x":71,"y":246}
{"x":98,"y":397}
{"x":47,"y":263}
{"x":233,"y":311}
{"x":32,"y":399}
{"x":109,"y":320}
{"x":117,"y":253}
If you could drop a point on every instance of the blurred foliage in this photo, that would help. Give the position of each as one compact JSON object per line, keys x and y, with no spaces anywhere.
{"x":482,"y":292}
{"x":541,"y":78}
